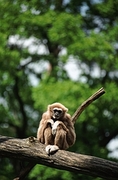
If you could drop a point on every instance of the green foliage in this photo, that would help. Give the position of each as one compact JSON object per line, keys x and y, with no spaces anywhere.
{"x":43,"y":173}
{"x":64,"y":92}
{"x":34,"y":32}
{"x":62,"y":29}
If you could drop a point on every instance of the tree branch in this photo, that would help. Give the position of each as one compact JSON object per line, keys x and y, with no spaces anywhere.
{"x":86,"y":103}
{"x":34,"y":152}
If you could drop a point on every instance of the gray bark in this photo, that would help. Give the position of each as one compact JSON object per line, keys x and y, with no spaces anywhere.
{"x":31,"y":150}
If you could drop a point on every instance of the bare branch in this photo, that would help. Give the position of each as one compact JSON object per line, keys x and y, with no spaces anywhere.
{"x":34,"y":152}
{"x":86,"y":103}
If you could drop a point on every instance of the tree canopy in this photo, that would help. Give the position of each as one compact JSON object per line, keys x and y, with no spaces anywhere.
{"x":40,"y":41}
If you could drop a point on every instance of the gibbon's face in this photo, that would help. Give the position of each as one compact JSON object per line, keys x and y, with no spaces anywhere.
{"x":57,"y":113}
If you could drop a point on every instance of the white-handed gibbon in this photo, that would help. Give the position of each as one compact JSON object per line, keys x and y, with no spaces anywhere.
{"x":56,"y":129}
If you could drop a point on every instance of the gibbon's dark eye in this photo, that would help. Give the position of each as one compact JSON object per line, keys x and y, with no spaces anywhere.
{"x":57,"y":111}
{"x":60,"y":111}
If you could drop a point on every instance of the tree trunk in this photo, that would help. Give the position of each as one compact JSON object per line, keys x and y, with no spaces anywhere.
{"x":31,"y":150}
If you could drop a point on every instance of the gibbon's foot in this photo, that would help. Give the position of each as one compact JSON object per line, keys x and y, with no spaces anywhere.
{"x":51,"y":149}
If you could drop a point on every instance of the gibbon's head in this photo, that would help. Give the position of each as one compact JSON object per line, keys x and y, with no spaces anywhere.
{"x":57,"y":111}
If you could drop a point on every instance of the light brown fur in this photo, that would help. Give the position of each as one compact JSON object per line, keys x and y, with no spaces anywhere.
{"x":60,"y":132}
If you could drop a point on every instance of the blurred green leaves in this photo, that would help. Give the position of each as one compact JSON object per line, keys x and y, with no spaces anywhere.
{"x":42,"y":30}
{"x":65,"y":92}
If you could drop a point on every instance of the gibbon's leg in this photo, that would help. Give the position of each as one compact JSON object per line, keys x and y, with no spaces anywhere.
{"x":71,"y":137}
{"x":49,"y":139}
{"x":60,"y":138}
